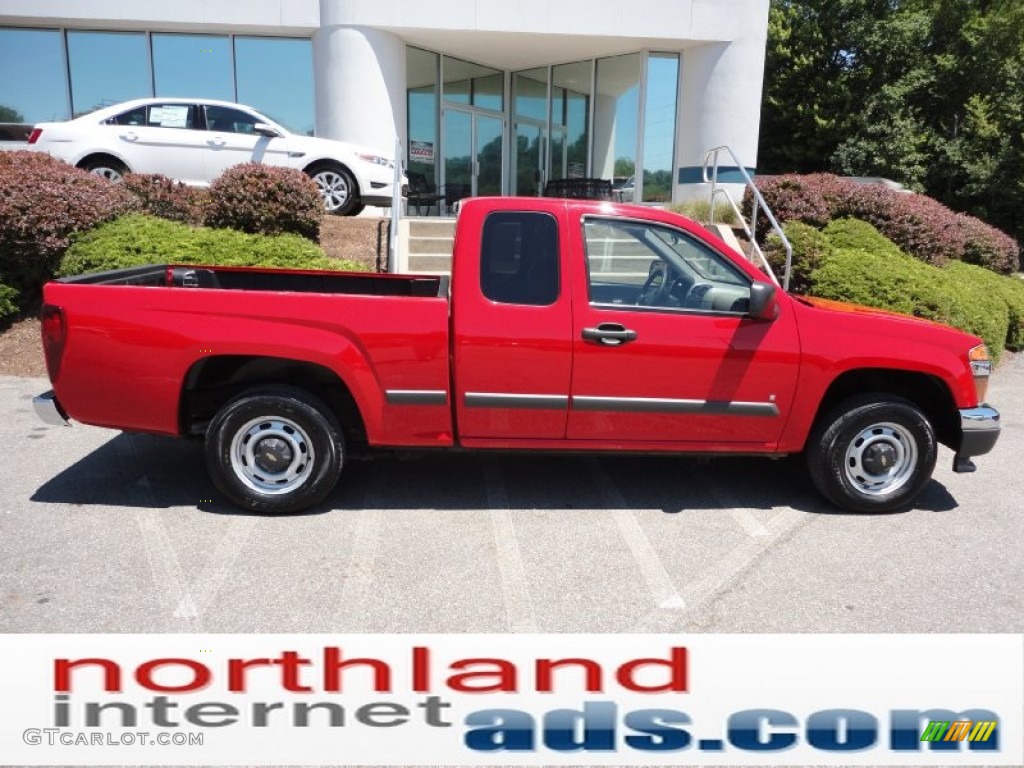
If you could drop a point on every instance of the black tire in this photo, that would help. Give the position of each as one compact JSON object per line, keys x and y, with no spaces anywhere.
{"x":256,"y":444}
{"x":109,"y":168}
{"x":872,"y":453}
{"x":338,"y":188}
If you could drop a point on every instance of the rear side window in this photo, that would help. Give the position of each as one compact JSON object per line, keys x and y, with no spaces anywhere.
{"x":519,"y":258}
{"x":158,"y":116}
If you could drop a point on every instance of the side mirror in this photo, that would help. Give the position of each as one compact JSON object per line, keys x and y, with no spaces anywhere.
{"x":764,"y":303}
{"x":265,"y":130}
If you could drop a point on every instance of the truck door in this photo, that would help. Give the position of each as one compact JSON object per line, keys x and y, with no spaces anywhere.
{"x":663,"y":349}
{"x":512,"y":324}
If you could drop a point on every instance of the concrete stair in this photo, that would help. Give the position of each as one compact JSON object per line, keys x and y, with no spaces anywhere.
{"x":425,"y":245}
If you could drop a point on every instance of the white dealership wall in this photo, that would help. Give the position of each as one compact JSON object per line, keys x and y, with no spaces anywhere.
{"x":359,"y":51}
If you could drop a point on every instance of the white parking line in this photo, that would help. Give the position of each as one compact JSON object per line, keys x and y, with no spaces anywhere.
{"x":651,"y":568}
{"x":518,"y":604}
{"x":727,"y":570}
{"x":204,"y":589}
{"x":745,"y":518}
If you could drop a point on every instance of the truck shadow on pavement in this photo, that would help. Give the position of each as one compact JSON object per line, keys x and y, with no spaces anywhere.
{"x":148,"y":471}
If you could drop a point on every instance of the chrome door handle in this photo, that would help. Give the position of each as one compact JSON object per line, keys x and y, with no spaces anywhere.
{"x":130,"y":136}
{"x":609,"y":334}
{"x":217,"y":142}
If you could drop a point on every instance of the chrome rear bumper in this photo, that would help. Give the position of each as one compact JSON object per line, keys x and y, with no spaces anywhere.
{"x":49,"y":410}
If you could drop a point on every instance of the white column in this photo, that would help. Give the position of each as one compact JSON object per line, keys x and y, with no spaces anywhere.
{"x":360,"y":84}
{"x":719,"y":104}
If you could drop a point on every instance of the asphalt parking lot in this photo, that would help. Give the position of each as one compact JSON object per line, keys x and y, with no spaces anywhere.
{"x":109,"y":532}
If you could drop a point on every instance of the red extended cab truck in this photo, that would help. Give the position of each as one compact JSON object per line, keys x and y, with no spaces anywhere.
{"x":566,"y":326}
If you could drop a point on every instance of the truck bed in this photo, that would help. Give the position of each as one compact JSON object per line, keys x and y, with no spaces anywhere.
{"x":146,"y":343}
{"x":264,"y":279}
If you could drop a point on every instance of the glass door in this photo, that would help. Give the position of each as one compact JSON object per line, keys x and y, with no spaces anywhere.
{"x":458,"y":155}
{"x":529,"y":158}
{"x":489,"y":138}
{"x":473,"y":150}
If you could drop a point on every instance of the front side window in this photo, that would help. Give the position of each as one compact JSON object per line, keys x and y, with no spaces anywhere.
{"x":519,"y":258}
{"x":227,"y":120}
{"x":632,"y":263}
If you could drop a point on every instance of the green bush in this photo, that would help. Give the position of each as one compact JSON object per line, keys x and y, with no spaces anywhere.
{"x":1009,"y":290}
{"x":810,"y":250}
{"x":8,"y":302}
{"x":866,"y":268}
{"x":262,"y":199}
{"x":700,"y":211}
{"x":139,"y":239}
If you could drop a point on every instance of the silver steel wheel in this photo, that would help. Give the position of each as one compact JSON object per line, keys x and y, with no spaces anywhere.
{"x":881,"y":459}
{"x":334,"y":189}
{"x":272,"y":455}
{"x":107,"y":172}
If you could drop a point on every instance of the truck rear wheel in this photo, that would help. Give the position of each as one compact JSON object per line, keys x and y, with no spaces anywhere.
{"x":872,"y":453}
{"x":275,"y":449}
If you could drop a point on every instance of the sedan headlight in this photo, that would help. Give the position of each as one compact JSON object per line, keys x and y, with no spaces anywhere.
{"x":981,"y":367}
{"x":377,"y":160}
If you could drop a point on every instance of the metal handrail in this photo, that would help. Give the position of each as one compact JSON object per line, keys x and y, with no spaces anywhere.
{"x":711,"y":163}
{"x":396,"y":209}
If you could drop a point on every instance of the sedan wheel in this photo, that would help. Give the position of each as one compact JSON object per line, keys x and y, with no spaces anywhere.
{"x":337,"y":189}
{"x":108,"y":169}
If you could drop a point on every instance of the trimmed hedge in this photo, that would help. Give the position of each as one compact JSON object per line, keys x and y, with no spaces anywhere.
{"x":918,"y":224}
{"x":43,"y":202}
{"x":139,"y":239}
{"x":168,"y":199}
{"x":811,"y":247}
{"x":261,"y":199}
{"x":867,"y":268}
{"x":8,"y":302}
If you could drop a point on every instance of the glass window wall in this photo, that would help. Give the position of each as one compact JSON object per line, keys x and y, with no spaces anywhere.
{"x":275,"y":75}
{"x":33,"y":80}
{"x":473,"y":84}
{"x":422,"y":108}
{"x":616,"y":118}
{"x":107,"y":68}
{"x":530,"y":98}
{"x":661,"y":87}
{"x":193,"y":65}
{"x":570,"y":117}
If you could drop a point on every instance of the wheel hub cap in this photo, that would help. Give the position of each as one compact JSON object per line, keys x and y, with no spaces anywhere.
{"x":881,"y":459}
{"x":272,"y":455}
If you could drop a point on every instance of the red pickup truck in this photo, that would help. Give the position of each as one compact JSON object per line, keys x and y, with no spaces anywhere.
{"x":566,"y":326}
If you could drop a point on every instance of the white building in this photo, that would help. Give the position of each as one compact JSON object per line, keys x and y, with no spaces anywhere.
{"x":485,"y":97}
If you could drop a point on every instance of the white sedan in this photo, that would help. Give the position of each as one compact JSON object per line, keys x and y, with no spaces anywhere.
{"x":195,"y":140}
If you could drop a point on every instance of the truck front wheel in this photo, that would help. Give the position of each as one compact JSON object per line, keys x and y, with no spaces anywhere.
{"x":275,"y":449}
{"x":872,"y":453}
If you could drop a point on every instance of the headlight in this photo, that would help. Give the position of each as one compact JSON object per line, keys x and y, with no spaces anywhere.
{"x":981,"y":367}
{"x":378,"y":160}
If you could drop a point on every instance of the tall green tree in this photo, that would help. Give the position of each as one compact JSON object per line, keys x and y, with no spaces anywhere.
{"x":927,"y":92}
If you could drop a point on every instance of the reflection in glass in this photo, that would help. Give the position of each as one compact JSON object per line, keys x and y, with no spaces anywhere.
{"x":275,"y":75}
{"x":33,"y":86}
{"x":421,"y":80}
{"x":193,"y":65}
{"x":107,"y":68}
{"x":489,"y":134}
{"x":616,"y":111}
{"x":458,"y":153}
{"x":474,"y":84}
{"x":571,"y":85}
{"x":660,"y":126}
{"x":530,"y":94}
